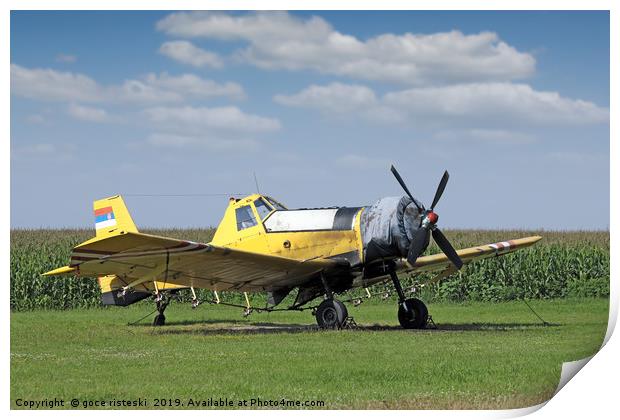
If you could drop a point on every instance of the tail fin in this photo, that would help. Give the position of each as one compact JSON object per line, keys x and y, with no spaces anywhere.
{"x":112,"y":217}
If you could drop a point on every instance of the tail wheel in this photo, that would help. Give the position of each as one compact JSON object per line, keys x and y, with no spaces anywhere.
{"x":331,"y":314}
{"x":415,"y":316}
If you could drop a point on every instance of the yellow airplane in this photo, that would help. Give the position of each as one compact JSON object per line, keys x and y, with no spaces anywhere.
{"x":261,"y":246}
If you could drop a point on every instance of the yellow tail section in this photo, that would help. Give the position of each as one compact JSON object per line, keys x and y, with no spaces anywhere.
{"x":112,"y":217}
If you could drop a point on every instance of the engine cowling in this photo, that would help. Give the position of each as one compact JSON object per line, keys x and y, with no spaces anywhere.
{"x":386,"y":227}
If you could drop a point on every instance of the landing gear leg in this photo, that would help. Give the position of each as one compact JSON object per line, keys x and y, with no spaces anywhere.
{"x":195,"y":301}
{"x":162,"y":303}
{"x":331,"y":313}
{"x":412,"y":312}
{"x":161,"y":300}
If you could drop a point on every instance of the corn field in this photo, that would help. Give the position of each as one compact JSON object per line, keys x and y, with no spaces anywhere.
{"x":563,"y":264}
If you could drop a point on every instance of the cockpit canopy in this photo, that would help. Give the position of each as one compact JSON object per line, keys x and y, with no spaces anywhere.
{"x":263,"y":205}
{"x":263,"y":210}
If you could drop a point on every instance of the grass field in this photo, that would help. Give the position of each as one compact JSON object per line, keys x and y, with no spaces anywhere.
{"x":490,"y":351}
{"x":483,"y":355}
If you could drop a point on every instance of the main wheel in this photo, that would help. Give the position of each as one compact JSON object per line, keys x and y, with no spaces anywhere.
{"x":159,"y":320}
{"x":331,"y":313}
{"x":415,"y":317}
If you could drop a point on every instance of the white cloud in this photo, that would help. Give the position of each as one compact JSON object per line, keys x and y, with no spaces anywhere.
{"x":506,"y":103}
{"x":205,"y":120}
{"x":278,"y":40}
{"x":86,"y":113}
{"x":190,"y":85}
{"x":198,"y":141}
{"x":338,"y":99}
{"x":139,"y":91}
{"x":187,"y":53}
{"x":482,"y":106}
{"x":264,"y":25}
{"x":335,"y":97}
{"x":53,"y":85}
{"x":152,"y":95}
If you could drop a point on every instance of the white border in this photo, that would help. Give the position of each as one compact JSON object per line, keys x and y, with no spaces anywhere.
{"x":593,"y":393}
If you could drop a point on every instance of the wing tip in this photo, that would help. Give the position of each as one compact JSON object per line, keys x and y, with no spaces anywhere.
{"x":59,"y":271}
{"x":535,"y":238}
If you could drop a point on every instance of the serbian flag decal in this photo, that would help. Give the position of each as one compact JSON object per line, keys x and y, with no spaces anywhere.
{"x":104,"y":218}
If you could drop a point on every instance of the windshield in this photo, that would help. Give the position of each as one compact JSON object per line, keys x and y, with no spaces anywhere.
{"x":276,"y":204}
{"x":262,"y":208}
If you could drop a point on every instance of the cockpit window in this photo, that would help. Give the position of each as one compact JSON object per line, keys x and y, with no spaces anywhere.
{"x":275,"y":204}
{"x":262,"y":208}
{"x":245,"y":218}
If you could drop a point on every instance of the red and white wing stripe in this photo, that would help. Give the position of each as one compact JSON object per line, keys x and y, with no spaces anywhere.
{"x":502,"y":247}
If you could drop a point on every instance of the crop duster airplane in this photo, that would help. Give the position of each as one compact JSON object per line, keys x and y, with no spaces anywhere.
{"x":261,"y":246}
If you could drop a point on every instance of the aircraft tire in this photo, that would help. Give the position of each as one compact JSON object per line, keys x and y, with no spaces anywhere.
{"x":159,"y":320}
{"x":419,"y":311}
{"x":331,"y":314}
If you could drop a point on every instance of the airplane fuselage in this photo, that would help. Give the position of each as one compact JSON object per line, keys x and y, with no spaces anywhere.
{"x":353,"y":235}
{"x":302,"y":234}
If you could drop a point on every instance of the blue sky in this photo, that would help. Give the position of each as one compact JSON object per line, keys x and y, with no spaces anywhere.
{"x":514,"y":104}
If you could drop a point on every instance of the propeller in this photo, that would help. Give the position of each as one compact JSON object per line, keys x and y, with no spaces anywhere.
{"x":429,"y":225}
{"x":402,"y":184}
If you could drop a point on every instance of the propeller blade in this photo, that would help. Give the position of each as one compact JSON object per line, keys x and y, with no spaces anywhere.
{"x":418,"y":243}
{"x":402,"y":184}
{"x":447,"y":248}
{"x":440,"y":188}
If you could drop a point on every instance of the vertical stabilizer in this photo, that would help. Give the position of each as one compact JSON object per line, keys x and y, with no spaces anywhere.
{"x":112,"y":217}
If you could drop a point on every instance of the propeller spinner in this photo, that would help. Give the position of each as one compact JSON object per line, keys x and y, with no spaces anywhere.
{"x":429,"y":225}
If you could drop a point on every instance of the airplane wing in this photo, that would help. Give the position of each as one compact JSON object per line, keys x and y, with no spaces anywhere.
{"x":139,"y":258}
{"x":440,"y":263}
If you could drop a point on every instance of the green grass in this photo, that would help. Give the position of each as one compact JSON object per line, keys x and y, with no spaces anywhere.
{"x":483,"y":355}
